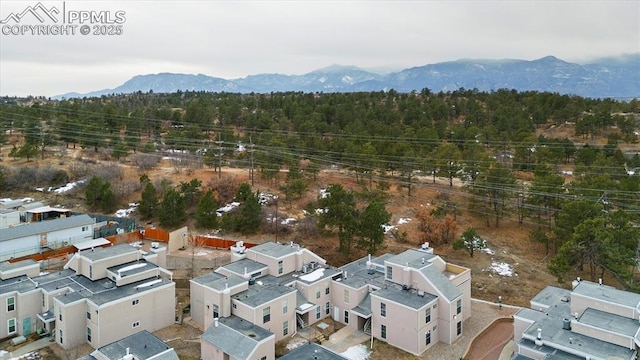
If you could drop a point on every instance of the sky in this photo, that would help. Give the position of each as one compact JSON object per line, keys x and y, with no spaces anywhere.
{"x":236,"y":38}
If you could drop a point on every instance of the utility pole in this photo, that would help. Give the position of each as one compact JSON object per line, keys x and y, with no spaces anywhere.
{"x":251,"y":152}
{"x":219,"y":154}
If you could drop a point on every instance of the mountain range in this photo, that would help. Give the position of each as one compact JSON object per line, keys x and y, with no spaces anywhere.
{"x":613,"y":77}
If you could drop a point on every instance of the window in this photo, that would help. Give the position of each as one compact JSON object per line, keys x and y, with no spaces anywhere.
{"x":383,"y":309}
{"x":266,"y":314}
{"x":85,"y":228}
{"x":263,"y":358}
{"x":280,"y":267}
{"x":60,"y":313}
{"x":285,"y":328}
{"x":11,"y":303}
{"x":346,"y":296}
{"x":285,"y":306}
{"x":459,"y":306}
{"x":346,"y":317}
{"x":427,"y":338}
{"x":435,"y":305}
{"x":61,"y":342}
{"x":383,"y":331}
{"x":135,"y":302}
{"x":318,"y":292}
{"x":90,"y":271}
{"x":427,"y":315}
{"x":234,"y":306}
{"x":326,"y":291}
{"x":89,"y":334}
{"x":216,"y":311}
{"x":135,"y":324}
{"x":88,"y":314}
{"x":389,"y":272}
{"x":327,"y":307}
{"x":43,"y":299}
{"x":459,"y":328}
{"x":318,"y":312}
{"x":11,"y":326}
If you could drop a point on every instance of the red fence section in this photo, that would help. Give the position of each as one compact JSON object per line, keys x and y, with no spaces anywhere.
{"x":217,"y":242}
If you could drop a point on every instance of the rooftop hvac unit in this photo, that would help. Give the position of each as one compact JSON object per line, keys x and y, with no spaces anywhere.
{"x":155,"y":245}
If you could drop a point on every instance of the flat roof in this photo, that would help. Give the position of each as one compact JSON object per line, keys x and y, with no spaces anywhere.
{"x":35,"y":228}
{"x":610,"y":322}
{"x":101,"y":253}
{"x":554,"y":336}
{"x":358,"y":276}
{"x":9,"y":266}
{"x":322,"y":272}
{"x":84,"y":245}
{"x":235,"y":336}
{"x":266,"y":289}
{"x":217,"y":281}
{"x":133,"y":267}
{"x":46,"y":208}
{"x":142,"y":345}
{"x":408,"y":298}
{"x":275,"y":250}
{"x":412,"y":257}
{"x":551,"y":295}
{"x":607,"y":293}
{"x":240,"y":266}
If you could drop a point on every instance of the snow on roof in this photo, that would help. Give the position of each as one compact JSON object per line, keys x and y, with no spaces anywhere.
{"x":312,"y":276}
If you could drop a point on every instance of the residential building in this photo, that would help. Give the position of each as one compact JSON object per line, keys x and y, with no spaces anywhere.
{"x":411,"y":300}
{"x":101,"y":296}
{"x":140,"y":346}
{"x":235,"y":338}
{"x":591,"y":321}
{"x":37,"y":237}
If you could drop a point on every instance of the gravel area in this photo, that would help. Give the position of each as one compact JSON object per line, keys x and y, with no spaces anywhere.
{"x":483,"y":313}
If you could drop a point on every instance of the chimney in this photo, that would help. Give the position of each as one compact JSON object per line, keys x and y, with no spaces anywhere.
{"x":423,"y":260}
{"x":345,"y":274}
{"x":215,"y":322}
{"x":128,"y":352}
{"x":600,"y":281}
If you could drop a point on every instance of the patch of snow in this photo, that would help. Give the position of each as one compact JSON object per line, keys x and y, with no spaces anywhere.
{"x":386,"y":228}
{"x":312,"y":276}
{"x":347,"y":79}
{"x":3,"y":352}
{"x":288,"y":221}
{"x":502,"y":269}
{"x":40,"y":189}
{"x":171,"y":158}
{"x":43,"y":273}
{"x":305,"y":306}
{"x":264,"y":199}
{"x":323,"y":193}
{"x":357,"y":352}
{"x":566,"y":172}
{"x":295,"y":344}
{"x":69,"y":186}
{"x":123,"y":213}
{"x":404,"y":221}
{"x":488,"y":251}
{"x":201,"y":253}
{"x":322,"y":79}
{"x":227,"y":208}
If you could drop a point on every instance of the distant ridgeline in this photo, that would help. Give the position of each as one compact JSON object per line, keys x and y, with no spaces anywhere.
{"x":616,"y":77}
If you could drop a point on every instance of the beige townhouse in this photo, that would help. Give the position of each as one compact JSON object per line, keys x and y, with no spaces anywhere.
{"x":411,"y":300}
{"x":101,"y":296}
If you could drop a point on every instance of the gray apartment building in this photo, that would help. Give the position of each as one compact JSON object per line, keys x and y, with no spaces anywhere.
{"x":591,"y":321}
{"x":411,"y":300}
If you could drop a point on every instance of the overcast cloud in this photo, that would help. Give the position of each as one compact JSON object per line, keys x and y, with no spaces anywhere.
{"x":232,"y":39}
